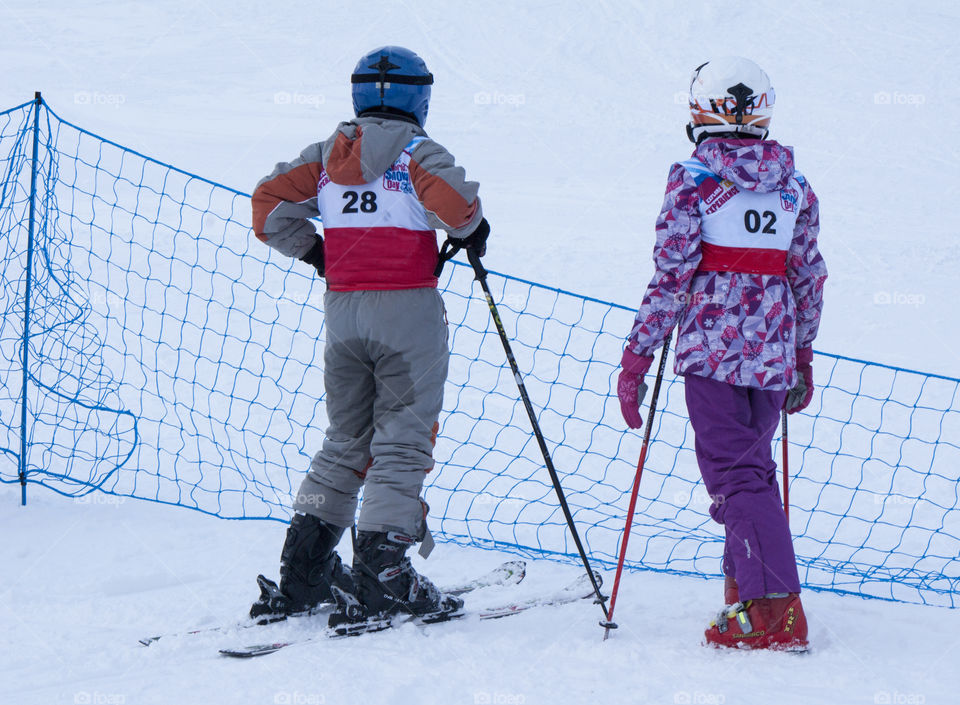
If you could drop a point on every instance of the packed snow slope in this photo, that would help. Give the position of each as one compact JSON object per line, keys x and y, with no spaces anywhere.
{"x":85,"y":579}
{"x":569,"y":114}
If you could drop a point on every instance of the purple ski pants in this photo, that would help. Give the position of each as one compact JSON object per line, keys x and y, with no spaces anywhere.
{"x":734,"y":428}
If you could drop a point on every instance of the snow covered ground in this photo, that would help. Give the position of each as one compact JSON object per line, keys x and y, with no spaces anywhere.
{"x":84,"y":580}
{"x":569,"y":114}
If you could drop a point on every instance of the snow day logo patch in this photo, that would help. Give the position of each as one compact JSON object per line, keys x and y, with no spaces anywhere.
{"x":397,"y":178}
{"x":789,"y":199}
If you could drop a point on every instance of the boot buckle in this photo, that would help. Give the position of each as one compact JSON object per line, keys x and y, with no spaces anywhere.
{"x":743,"y":619}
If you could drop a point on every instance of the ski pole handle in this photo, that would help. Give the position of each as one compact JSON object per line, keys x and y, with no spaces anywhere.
{"x":477,"y":265}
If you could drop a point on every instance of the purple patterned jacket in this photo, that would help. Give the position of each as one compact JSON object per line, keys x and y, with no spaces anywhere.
{"x":742,"y":329}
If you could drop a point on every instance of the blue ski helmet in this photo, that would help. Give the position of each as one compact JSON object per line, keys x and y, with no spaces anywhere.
{"x":394,"y":79}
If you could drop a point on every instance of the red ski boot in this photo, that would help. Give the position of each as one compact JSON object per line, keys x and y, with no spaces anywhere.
{"x":775,"y":622}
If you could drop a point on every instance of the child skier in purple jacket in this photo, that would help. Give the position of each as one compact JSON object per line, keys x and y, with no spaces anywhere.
{"x":738,"y":270}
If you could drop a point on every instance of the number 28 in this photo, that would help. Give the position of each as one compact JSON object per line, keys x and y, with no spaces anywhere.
{"x":368,"y":202}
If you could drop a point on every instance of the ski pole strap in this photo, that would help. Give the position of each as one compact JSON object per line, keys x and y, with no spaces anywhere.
{"x":450,"y":248}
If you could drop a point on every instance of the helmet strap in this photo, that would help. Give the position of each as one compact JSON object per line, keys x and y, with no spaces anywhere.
{"x":732,"y":135}
{"x":386,"y":112}
{"x":383,"y":66}
{"x":743,"y":95}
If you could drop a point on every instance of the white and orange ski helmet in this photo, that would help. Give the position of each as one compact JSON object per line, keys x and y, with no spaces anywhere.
{"x":730,"y":95}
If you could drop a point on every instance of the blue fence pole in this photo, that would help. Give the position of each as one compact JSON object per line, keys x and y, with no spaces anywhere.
{"x":37,"y":104}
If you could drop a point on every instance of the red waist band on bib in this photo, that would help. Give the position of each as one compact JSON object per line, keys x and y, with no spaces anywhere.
{"x":745,"y":260}
{"x":379,"y":258}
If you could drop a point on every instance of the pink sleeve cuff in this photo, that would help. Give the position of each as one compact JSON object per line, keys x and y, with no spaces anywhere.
{"x":635,"y":364}
{"x":804,"y":356}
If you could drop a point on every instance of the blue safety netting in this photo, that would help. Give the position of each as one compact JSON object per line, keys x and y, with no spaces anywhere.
{"x":172,"y":357}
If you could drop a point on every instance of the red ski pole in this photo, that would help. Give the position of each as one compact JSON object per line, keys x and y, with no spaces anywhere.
{"x":786,"y":469}
{"x":609,"y":624}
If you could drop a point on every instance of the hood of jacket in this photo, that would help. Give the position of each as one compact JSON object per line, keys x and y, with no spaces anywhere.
{"x":362,"y":150}
{"x":755,"y":165}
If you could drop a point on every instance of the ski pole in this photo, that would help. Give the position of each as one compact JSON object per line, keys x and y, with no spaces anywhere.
{"x":609,"y":623}
{"x":786,"y":468}
{"x":481,"y":276}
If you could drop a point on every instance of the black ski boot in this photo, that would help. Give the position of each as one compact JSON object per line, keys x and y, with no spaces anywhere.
{"x":309,"y":566}
{"x":387,"y":584}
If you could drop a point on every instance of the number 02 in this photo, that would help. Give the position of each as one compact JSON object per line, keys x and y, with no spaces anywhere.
{"x":751,"y":221}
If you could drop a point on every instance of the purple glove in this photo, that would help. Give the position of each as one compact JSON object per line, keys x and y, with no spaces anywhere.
{"x":630,"y":386}
{"x":799,"y":397}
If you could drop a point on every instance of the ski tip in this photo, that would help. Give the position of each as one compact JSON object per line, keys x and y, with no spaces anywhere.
{"x":251,"y":651}
{"x":584,"y":579}
{"x":516,"y":569}
{"x":146,"y":641}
